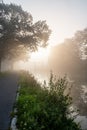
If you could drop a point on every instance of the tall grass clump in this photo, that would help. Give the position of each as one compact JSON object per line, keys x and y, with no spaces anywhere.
{"x":44,"y":108}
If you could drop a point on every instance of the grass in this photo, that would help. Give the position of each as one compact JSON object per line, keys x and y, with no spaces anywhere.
{"x":41,"y":108}
{"x":2,"y":74}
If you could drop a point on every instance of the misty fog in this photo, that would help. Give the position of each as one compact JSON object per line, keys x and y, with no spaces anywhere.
{"x":22,"y":40}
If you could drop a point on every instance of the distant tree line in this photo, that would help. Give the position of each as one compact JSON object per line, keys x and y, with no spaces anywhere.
{"x":70,"y":58}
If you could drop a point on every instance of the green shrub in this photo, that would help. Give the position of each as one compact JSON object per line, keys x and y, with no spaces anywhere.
{"x":43,"y":108}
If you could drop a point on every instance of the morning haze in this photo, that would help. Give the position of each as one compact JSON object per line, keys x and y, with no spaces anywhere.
{"x":43,"y":37}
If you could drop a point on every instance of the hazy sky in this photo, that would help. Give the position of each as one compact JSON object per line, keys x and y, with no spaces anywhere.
{"x":64,"y":17}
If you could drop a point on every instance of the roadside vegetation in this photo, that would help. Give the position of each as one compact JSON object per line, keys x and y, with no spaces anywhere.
{"x":43,"y":108}
{"x":2,"y":74}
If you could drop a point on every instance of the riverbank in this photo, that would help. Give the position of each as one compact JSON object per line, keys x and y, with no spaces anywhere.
{"x":41,"y":107}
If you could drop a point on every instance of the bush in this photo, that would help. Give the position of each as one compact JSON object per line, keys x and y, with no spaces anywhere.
{"x":43,"y":108}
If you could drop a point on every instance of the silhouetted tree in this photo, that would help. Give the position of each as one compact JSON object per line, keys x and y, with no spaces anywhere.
{"x":65,"y":58}
{"x":70,"y":58}
{"x":17,"y":29}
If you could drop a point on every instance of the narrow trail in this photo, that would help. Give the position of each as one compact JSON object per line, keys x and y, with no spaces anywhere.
{"x":8,"y":89}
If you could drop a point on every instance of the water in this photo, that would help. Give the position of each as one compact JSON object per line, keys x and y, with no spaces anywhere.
{"x":79,"y":119}
{"x":83,"y":121}
{"x":41,"y":78}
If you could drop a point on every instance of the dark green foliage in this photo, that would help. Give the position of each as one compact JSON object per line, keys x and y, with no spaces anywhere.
{"x":18,"y":33}
{"x":42,"y":108}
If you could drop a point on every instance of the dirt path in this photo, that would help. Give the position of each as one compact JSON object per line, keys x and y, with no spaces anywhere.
{"x":8,"y":88}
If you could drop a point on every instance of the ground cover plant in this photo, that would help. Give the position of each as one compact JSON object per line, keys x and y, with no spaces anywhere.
{"x":44,"y":108}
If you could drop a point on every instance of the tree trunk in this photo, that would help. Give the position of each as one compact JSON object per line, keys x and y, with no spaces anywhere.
{"x":0,"y":63}
{"x":12,"y":67}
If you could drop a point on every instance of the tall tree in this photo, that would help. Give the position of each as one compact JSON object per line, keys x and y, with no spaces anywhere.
{"x":71,"y":58}
{"x":17,"y":29}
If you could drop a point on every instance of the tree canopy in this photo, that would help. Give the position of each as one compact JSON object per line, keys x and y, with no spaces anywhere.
{"x":17,"y":30}
{"x":70,"y":58}
{"x":74,"y":53}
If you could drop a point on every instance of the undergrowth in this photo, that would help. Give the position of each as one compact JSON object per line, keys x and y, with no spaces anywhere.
{"x":43,"y":108}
